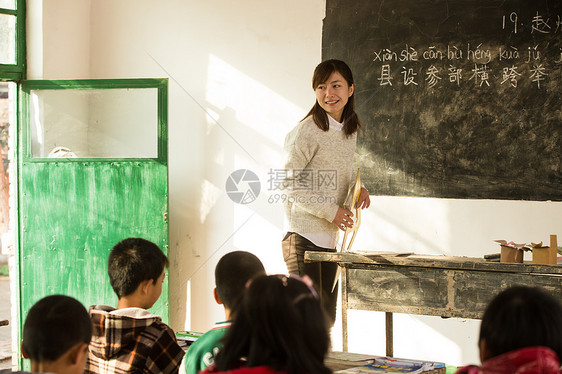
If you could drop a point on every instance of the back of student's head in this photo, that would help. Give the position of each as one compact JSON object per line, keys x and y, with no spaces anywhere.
{"x":279,"y":323}
{"x":54,"y":325}
{"x":520,"y":317}
{"x":232,"y":272}
{"x":133,"y":261}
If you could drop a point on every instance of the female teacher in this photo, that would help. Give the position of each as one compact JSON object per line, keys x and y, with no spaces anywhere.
{"x":319,"y":167}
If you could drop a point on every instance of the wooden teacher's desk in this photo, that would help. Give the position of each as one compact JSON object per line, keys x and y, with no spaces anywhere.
{"x":431,"y":285}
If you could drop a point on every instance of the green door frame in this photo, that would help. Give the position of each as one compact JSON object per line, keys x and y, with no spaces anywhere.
{"x":45,"y":168}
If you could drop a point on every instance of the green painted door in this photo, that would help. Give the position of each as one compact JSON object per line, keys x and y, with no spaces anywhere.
{"x":92,"y":170}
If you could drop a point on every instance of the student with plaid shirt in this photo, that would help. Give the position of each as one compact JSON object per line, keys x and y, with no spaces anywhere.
{"x":130,"y":339}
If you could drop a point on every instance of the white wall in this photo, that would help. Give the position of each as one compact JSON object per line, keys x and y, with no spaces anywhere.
{"x":64,"y":51}
{"x":239,"y":81}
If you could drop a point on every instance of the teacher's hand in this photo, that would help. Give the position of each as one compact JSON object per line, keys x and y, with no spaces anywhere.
{"x":343,"y":219}
{"x":364,"y":200}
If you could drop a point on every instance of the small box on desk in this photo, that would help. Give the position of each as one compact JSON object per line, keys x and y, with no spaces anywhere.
{"x":545,"y":255}
{"x":511,"y":254}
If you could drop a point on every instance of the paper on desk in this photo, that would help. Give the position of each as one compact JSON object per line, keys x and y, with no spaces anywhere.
{"x":348,"y":356}
{"x":383,"y":253}
{"x":394,"y":365}
{"x":522,"y":247}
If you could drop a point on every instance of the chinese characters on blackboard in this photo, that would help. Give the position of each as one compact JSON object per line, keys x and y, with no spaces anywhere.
{"x":480,"y":74}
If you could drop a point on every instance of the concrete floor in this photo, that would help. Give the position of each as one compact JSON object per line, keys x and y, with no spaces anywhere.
{"x":5,"y":331}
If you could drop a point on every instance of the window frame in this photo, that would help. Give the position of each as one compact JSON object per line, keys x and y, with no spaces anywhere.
{"x":160,"y":84}
{"x":16,"y":72}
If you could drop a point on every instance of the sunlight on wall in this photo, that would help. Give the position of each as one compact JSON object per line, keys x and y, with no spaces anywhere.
{"x":209,"y":196}
{"x":405,"y":230}
{"x":259,"y":236}
{"x":414,"y":336}
{"x":259,"y":110}
{"x":247,"y":122}
{"x":366,"y":332}
{"x":422,"y":226}
{"x":413,"y":333}
{"x":187,"y":324}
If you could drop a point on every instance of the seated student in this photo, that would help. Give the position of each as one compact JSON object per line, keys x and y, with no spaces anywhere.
{"x":232,"y":273}
{"x":56,"y":334}
{"x":129,"y":338}
{"x":521,"y":332}
{"x":279,"y":326}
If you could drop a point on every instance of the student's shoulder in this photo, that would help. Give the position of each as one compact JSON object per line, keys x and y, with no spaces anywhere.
{"x":161,"y":348}
{"x":160,"y":336}
{"x":163,"y":328}
{"x":99,"y":308}
{"x":212,"y":336}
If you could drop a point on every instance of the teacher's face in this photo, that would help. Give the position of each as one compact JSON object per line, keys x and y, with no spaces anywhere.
{"x":333,"y":94}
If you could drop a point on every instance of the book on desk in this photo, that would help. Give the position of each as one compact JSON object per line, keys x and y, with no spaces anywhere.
{"x":186,"y":338}
{"x":353,"y":363}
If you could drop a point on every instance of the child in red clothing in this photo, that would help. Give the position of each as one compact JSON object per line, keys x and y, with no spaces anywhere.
{"x":521,"y":332}
{"x":279,"y":327}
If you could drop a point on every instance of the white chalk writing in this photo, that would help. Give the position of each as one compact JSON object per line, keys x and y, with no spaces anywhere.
{"x":454,"y":53}
{"x":513,"y":19}
{"x":534,"y":54}
{"x":432,"y":76}
{"x":540,"y":25}
{"x":532,"y":63}
{"x":455,"y":75}
{"x":480,"y":74}
{"x":385,"y":55}
{"x":510,"y":75}
{"x":409,"y":54}
{"x":538,"y":74}
{"x":479,"y":55}
{"x":510,"y":53}
{"x":433,"y":54}
{"x":385,"y":78}
{"x":409,"y":76}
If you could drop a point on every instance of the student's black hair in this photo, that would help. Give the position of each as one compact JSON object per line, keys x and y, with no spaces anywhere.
{"x":133,"y":261}
{"x":53,"y":325}
{"x":232,"y":272}
{"x":278,"y":323}
{"x":520,"y":317}
{"x":349,"y":118}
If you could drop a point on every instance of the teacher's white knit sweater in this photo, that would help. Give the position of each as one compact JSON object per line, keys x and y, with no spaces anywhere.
{"x":319,"y":171}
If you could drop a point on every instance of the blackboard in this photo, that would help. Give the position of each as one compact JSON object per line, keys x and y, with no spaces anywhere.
{"x":458,"y":99}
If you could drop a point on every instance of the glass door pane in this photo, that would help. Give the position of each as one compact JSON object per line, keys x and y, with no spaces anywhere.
{"x":94,"y":123}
